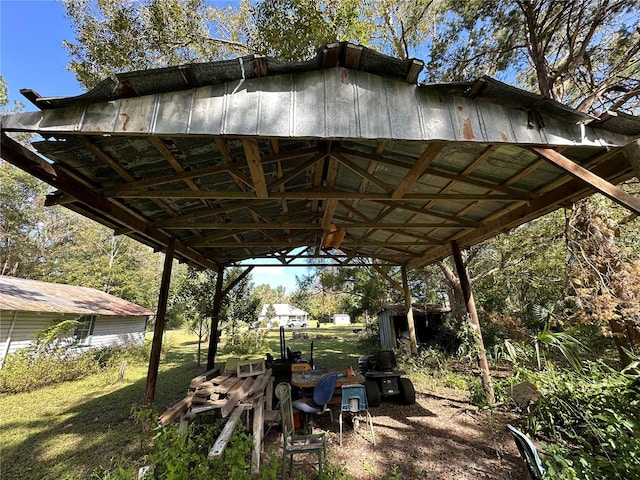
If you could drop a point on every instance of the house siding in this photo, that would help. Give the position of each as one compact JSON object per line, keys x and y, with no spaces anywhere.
{"x":107,"y":331}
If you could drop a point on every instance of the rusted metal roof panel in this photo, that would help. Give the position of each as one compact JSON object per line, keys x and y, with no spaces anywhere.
{"x":256,"y":159}
{"x":19,"y":294}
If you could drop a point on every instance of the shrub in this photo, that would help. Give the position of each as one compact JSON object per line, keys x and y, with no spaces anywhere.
{"x":24,"y":371}
{"x":245,"y":342}
{"x":589,"y":422}
{"x":31,"y":368}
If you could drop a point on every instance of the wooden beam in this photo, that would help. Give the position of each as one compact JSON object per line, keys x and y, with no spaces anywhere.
{"x":315,"y":195}
{"x":362,"y":172}
{"x":158,"y":328}
{"x":237,"y":280}
{"x":329,"y":210}
{"x":31,"y":163}
{"x":254,"y":162}
{"x":473,"y":321}
{"x":225,"y":434}
{"x":388,"y":278}
{"x":428,"y":155}
{"x":597,"y":183}
{"x":615,"y":167}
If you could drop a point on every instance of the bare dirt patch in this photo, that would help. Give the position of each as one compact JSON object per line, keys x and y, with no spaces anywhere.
{"x":437,"y":438}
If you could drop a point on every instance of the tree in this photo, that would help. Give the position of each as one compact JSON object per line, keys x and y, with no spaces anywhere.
{"x":121,"y":35}
{"x":270,"y":313}
{"x":605,"y":275}
{"x":192,"y":302}
{"x":240,"y":305}
{"x":581,"y":53}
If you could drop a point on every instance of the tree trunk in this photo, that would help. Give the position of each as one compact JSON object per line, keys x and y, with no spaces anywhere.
{"x":474,"y":322}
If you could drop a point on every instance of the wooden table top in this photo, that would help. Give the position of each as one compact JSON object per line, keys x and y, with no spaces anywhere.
{"x":310,"y":378}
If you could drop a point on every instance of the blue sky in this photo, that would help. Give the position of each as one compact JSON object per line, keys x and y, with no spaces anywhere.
{"x":32,"y":56}
{"x":31,"y":52}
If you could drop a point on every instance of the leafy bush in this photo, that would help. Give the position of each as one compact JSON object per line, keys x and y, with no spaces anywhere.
{"x":35,"y":367}
{"x":245,"y":342}
{"x":23,"y":371}
{"x":589,"y":422}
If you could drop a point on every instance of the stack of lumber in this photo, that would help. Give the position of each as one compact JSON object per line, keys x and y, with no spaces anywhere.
{"x":215,"y":391}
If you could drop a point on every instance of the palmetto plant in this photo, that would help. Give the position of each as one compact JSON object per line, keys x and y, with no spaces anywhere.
{"x":534,"y":354}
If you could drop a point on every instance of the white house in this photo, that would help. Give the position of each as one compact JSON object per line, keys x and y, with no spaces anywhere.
{"x":30,"y":306}
{"x":284,"y":314}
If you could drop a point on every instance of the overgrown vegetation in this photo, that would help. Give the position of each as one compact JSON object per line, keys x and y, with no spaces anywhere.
{"x":55,"y":358}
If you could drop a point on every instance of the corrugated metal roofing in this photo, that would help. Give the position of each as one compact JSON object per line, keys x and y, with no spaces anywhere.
{"x":255,"y":159}
{"x":19,"y":294}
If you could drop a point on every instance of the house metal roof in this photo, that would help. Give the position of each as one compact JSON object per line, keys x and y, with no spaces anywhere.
{"x":254,"y":161}
{"x":19,"y":294}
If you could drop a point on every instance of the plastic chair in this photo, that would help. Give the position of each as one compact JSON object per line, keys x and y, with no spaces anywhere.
{"x":294,"y":444}
{"x":528,"y":452}
{"x":354,"y":401}
{"x":322,"y":394}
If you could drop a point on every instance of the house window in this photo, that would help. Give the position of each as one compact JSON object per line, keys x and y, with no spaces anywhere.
{"x":84,"y":331}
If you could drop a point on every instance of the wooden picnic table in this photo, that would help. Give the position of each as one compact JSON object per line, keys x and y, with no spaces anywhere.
{"x":310,"y":378}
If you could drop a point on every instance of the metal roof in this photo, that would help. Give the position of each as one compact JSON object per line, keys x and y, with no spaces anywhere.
{"x":253,"y":159}
{"x":19,"y":294}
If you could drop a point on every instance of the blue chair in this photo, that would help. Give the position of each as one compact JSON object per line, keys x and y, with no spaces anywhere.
{"x":528,"y":452}
{"x":322,"y":394}
{"x":354,"y":401}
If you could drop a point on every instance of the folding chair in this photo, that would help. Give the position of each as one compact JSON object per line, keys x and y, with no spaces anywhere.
{"x":322,"y":394}
{"x":528,"y":452}
{"x":293,"y":444}
{"x":354,"y":401}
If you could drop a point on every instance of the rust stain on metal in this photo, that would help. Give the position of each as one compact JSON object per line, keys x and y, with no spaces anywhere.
{"x":459,"y":107}
{"x":504,"y":137}
{"x":344,"y":73}
{"x":126,"y":120}
{"x":467,"y":130}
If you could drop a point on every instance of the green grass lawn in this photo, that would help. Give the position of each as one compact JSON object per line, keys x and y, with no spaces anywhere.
{"x":69,"y":430}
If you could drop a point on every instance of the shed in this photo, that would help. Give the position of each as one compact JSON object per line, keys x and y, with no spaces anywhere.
{"x":341,"y":160}
{"x":285,"y":313}
{"x":30,"y":306}
{"x":341,"y":319}
{"x":428,"y":320}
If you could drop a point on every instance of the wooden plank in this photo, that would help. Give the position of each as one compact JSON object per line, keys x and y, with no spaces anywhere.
{"x":597,"y":183}
{"x":240,"y":394}
{"x":204,"y":377}
{"x":208,"y":406}
{"x":258,"y":429}
{"x":260,"y":383}
{"x":220,"y":378}
{"x":174,"y":412}
{"x":225,"y":435}
{"x":227,"y":385}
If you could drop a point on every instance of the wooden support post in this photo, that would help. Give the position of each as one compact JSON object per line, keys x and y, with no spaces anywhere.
{"x":158,"y":329}
{"x":409,"y":308}
{"x":473,"y":321}
{"x":215,"y":319}
{"x":258,"y":431}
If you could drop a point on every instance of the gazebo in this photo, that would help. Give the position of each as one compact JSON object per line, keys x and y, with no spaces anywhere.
{"x":344,"y":159}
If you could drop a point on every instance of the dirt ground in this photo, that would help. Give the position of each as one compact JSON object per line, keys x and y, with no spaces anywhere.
{"x":437,"y":438}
